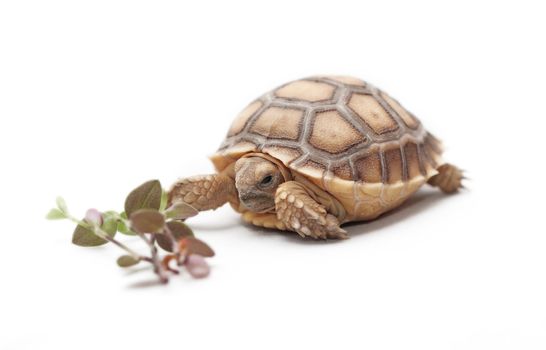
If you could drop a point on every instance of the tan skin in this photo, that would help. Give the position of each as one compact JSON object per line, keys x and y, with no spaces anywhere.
{"x":260,"y":189}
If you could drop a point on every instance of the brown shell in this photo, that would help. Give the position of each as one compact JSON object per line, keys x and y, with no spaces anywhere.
{"x":345,"y":135}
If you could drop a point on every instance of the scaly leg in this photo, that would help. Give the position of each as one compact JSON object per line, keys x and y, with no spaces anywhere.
{"x":204,"y":192}
{"x":301,"y":213}
{"x":449,"y":178}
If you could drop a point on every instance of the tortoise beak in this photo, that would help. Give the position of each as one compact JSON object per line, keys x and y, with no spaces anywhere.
{"x":256,"y":202}
{"x":247,"y":196}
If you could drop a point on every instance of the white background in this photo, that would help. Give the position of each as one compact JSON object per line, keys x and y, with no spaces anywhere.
{"x":96,"y":97}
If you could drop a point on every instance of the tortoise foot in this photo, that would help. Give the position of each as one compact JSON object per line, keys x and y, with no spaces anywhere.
{"x":302,"y":214}
{"x":449,"y":178}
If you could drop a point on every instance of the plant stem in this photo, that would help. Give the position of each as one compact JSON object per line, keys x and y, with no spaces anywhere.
{"x":169,"y":233}
{"x":158,"y":268}
{"x":99,"y":232}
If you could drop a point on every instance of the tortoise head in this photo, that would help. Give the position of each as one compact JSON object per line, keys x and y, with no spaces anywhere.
{"x":257,"y":180}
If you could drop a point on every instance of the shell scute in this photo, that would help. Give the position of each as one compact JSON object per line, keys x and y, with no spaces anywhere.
{"x":346,"y":80}
{"x":241,"y":120}
{"x":332,"y":133}
{"x":408,"y":118}
{"x":372,"y":113}
{"x":393,"y":161}
{"x":279,"y":123}
{"x":305,"y":90}
{"x":285,"y":154}
{"x":412,"y":160}
{"x":314,"y":169}
{"x":369,"y":168}
{"x":343,"y":171}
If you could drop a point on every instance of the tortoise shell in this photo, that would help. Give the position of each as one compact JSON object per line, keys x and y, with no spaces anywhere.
{"x":344,"y":135}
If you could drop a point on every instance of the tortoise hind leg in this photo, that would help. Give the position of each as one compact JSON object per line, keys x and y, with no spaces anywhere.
{"x":449,"y":178}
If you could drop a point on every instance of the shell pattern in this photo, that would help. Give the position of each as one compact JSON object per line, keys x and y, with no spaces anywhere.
{"x":337,"y":129}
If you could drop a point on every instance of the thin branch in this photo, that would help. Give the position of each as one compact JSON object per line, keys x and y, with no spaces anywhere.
{"x":100,"y":233}
{"x":174,"y":242}
{"x":158,"y":268}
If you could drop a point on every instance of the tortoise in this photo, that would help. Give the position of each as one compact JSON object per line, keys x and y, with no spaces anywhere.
{"x":319,"y":152}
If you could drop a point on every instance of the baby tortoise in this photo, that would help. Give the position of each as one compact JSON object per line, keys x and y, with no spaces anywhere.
{"x":319,"y":152}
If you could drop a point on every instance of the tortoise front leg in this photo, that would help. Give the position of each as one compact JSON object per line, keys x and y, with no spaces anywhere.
{"x":302,"y":214}
{"x":204,"y":192}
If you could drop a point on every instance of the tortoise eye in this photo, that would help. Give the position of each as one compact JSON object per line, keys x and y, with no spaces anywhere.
{"x":267,"y":180}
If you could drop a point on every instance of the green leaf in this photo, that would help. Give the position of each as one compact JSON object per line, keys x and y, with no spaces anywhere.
{"x":127,"y":260}
{"x":85,"y":237}
{"x":110,"y":225}
{"x":147,"y":221}
{"x":61,"y":204}
{"x":178,"y":229}
{"x":122,"y":228}
{"x":197,"y":246}
{"x":181,"y":211}
{"x":145,"y":196}
{"x":164,"y":199}
{"x":55,"y":214}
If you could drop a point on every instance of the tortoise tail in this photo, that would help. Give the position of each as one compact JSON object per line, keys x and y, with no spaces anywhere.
{"x":449,"y":178}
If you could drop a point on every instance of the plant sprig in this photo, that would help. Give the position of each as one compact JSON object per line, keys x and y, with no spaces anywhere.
{"x":146,"y":216}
